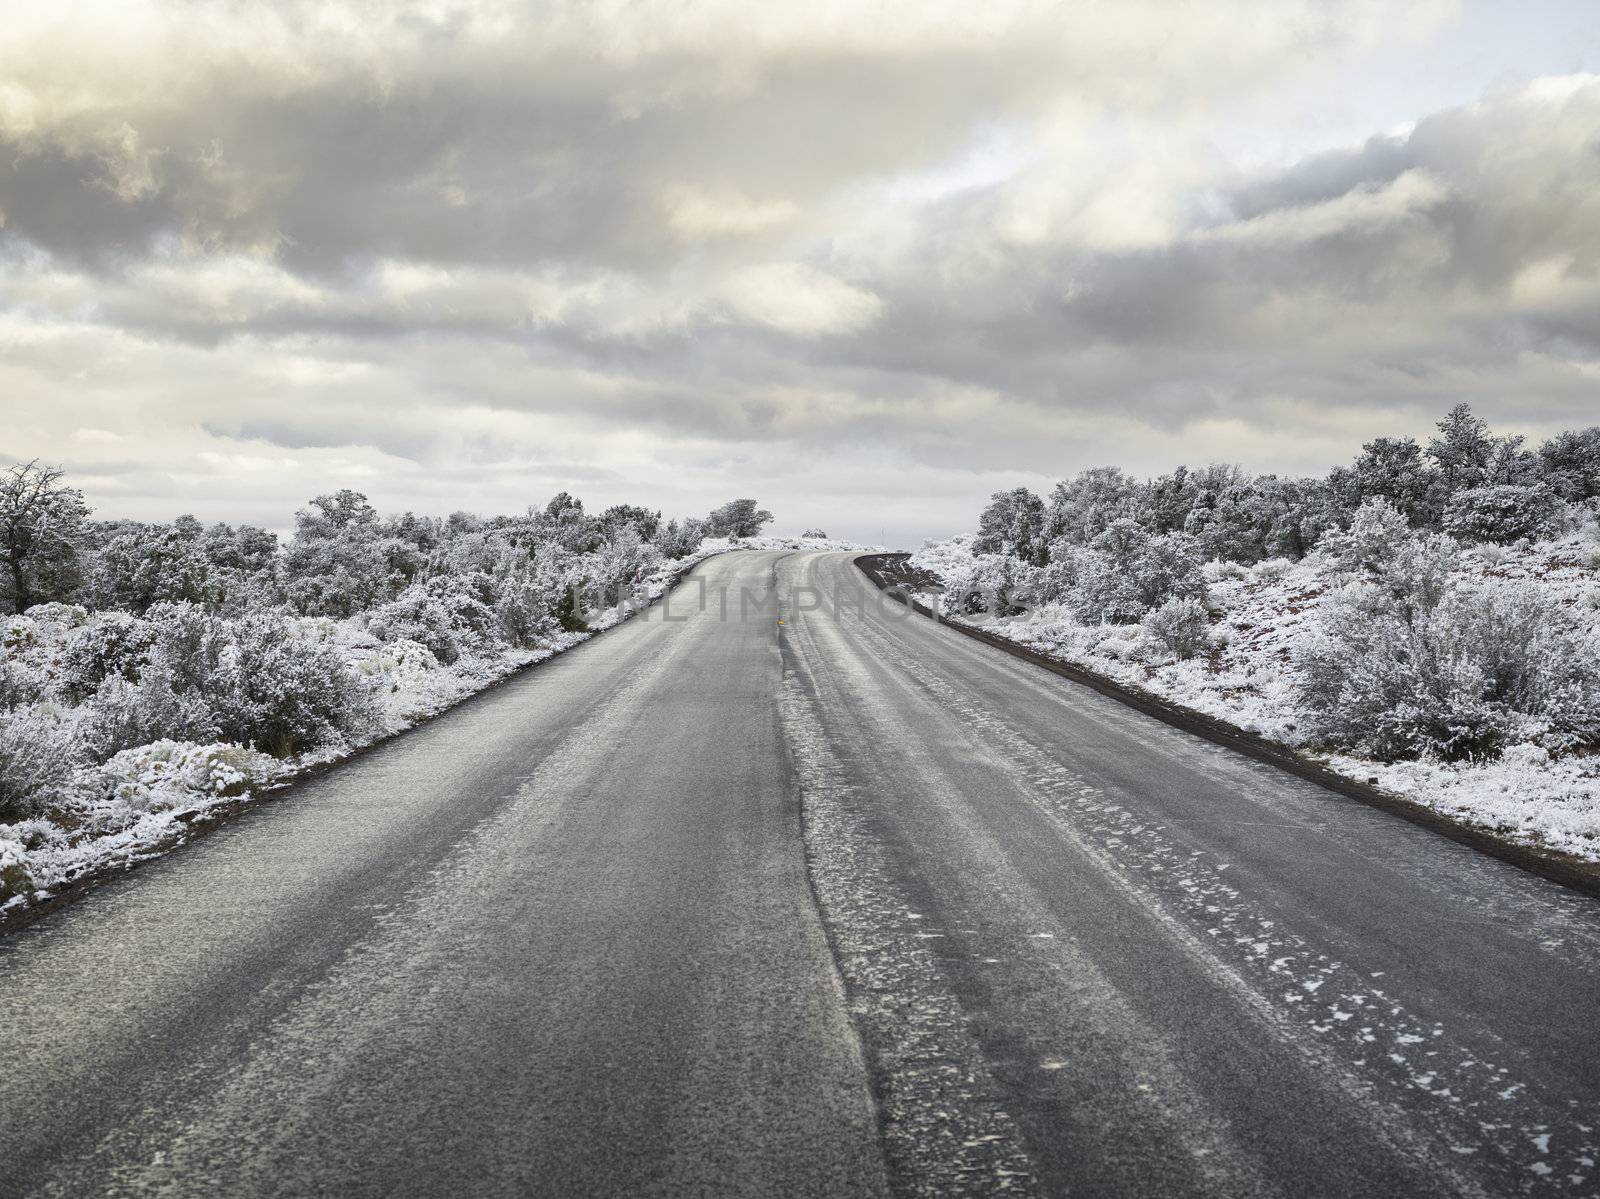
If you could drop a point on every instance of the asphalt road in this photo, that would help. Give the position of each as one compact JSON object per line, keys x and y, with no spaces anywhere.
{"x":802,"y":894}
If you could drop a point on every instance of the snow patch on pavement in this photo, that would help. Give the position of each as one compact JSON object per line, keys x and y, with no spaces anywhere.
{"x":944,"y":1131}
{"x":1364,"y":1034}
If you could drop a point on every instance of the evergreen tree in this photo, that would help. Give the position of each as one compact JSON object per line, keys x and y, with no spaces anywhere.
{"x":1572,"y":464}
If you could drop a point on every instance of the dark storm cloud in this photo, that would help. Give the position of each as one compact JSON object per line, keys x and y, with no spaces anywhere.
{"x":451,"y":149}
{"x":1475,"y":235}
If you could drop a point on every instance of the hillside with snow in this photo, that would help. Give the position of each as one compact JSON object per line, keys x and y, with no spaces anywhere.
{"x":1247,"y":673}
{"x":1425,"y":620}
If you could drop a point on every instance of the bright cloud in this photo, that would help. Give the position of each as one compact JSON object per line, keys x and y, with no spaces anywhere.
{"x":462,"y":254}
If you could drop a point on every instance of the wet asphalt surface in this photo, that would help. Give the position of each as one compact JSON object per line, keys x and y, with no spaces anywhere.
{"x":804,"y":895}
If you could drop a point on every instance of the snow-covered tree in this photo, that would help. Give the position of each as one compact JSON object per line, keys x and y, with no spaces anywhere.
{"x":1462,"y":450}
{"x":1468,"y":457}
{"x":1125,"y":572}
{"x":410,"y":543}
{"x":337,"y":564}
{"x":1510,"y":465}
{"x":564,"y":522}
{"x":737,"y":518}
{"x":1572,"y":464}
{"x":1394,"y":469}
{"x":247,"y":551}
{"x":42,"y":536}
{"x":1234,"y":524}
{"x":132,"y":566}
{"x":1165,"y":503}
{"x":1081,"y":508}
{"x":147,"y":564}
{"x":677,"y":540}
{"x":1014,"y":523}
{"x":644,"y":522}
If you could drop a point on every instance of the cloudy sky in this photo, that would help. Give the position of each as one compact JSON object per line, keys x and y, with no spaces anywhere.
{"x":867,"y":262}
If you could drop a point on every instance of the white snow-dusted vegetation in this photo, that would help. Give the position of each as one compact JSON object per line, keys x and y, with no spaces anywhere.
{"x":153,"y":674}
{"x":1425,"y":618}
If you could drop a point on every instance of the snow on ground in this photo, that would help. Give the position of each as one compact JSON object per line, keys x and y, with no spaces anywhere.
{"x":1249,"y":680}
{"x":142,"y":802}
{"x":817,"y":544}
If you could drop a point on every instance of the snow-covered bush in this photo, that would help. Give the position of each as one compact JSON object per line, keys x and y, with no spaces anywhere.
{"x":167,"y":774}
{"x":284,"y":695}
{"x":15,"y":877}
{"x":470,"y":600}
{"x":1181,"y":626}
{"x":190,"y":645}
{"x":186,"y":666}
{"x":1054,"y":583}
{"x":1123,"y":649}
{"x":996,"y":584}
{"x":1492,"y":555}
{"x":680,"y":540}
{"x":1170,"y":566}
{"x":62,"y":615}
{"x":255,"y":681}
{"x":1471,"y":671}
{"x":19,"y":686}
{"x":1125,"y":572}
{"x":523,"y":610}
{"x":417,"y":614}
{"x":113,"y":643}
{"x":1380,"y":548}
{"x":1461,"y":675}
{"x":18,"y":634}
{"x":167,"y":690}
{"x":123,"y":714}
{"x":943,"y":558}
{"x":398,"y":664}
{"x":1269,"y":570}
{"x":39,"y":749}
{"x":623,"y":560}
{"x":1502,"y":514}
{"x":1220,"y":571}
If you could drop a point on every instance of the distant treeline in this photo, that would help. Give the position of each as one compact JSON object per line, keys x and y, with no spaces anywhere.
{"x":1466,"y":481}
